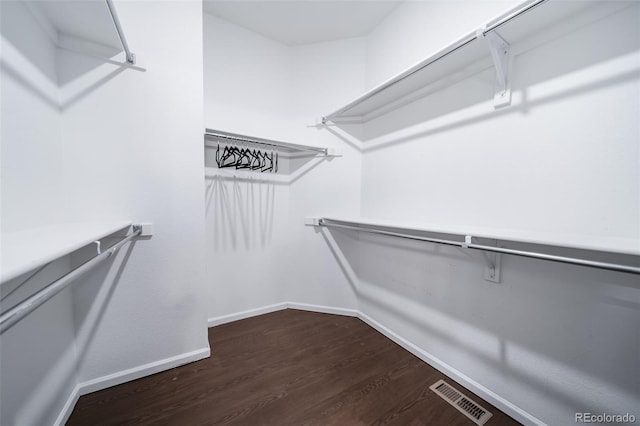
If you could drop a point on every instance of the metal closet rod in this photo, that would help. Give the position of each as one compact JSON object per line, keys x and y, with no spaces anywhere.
{"x":447,"y":51}
{"x":468,"y":244}
{"x":131,"y":57}
{"x":24,"y":308}
{"x":250,"y":139}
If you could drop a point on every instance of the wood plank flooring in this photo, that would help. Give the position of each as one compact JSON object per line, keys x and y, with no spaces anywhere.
{"x":286,"y":368}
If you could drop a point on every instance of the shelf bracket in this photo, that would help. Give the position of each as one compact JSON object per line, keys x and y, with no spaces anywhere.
{"x":312,"y":221}
{"x":493,"y":260}
{"x":493,"y":267}
{"x":502,"y":61}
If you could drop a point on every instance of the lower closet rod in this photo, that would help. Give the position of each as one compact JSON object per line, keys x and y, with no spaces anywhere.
{"x":562,"y":259}
{"x":24,"y":308}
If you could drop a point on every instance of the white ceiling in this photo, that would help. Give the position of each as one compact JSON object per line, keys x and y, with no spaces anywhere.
{"x":295,"y":22}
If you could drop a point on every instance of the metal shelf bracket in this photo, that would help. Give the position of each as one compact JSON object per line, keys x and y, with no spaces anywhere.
{"x":502,"y":61}
{"x":492,"y":260}
{"x":493,"y":268}
{"x":493,"y":265}
{"x":129,"y":55}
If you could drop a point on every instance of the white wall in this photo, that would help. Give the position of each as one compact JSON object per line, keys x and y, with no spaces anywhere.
{"x":334,"y":185}
{"x":562,"y":160}
{"x":550,"y":339}
{"x":130,"y":146}
{"x":246,"y":91}
{"x":29,"y":95}
{"x":246,"y":80}
{"x":38,"y":355}
{"x":417,"y":29}
{"x":135,"y":142}
{"x":258,"y":251}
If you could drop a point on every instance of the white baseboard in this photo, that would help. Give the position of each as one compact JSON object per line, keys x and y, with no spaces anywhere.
{"x":126,"y":376}
{"x":278,"y":307}
{"x":246,"y":314}
{"x":323,"y":309}
{"x":143,"y":371}
{"x":66,"y":411}
{"x":165,"y":364}
{"x":475,"y":387}
{"x":168,"y":363}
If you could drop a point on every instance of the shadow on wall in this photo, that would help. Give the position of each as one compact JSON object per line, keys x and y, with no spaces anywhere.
{"x":24,"y":72}
{"x":44,"y":352}
{"x":59,"y":77}
{"x":438,"y":299}
{"x":92,"y":298}
{"x":524,"y":107}
{"x":538,"y":60}
{"x":33,"y":378}
{"x":242,"y":212}
{"x":241,"y":205}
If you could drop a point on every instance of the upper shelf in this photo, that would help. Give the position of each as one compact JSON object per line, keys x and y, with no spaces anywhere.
{"x":588,"y":254}
{"x":24,"y":251}
{"x":93,"y":21}
{"x":617,"y":245}
{"x":213,"y":135}
{"x":470,"y":51}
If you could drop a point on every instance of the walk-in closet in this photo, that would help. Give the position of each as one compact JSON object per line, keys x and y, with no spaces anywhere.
{"x":345,"y":212}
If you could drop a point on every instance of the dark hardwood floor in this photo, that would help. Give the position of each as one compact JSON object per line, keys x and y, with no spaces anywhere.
{"x":286,"y":368}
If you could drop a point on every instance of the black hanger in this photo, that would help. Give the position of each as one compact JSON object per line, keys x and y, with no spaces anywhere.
{"x":247,"y":158}
{"x":218,"y":154}
{"x":256,"y":162}
{"x":267,"y":163}
{"x":244,"y":160}
{"x":229,"y":157}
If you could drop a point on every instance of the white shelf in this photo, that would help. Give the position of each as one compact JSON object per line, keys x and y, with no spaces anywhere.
{"x":626,"y":246}
{"x":86,"y":20}
{"x":212,"y":135}
{"x":89,"y":27}
{"x":23,"y":251}
{"x":468,"y":54}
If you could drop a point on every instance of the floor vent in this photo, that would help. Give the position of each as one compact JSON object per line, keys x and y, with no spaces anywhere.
{"x":469,"y":408}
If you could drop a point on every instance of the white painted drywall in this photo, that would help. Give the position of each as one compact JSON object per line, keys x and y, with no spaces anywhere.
{"x":564,"y":159}
{"x":444,"y":161}
{"x":258,"y":252}
{"x":133,"y":145}
{"x":86,"y":139}
{"x":417,"y":29}
{"x":551,"y":339}
{"x":334,"y":184}
{"x":30,"y":123}
{"x":37,"y":355}
{"x":246,"y":91}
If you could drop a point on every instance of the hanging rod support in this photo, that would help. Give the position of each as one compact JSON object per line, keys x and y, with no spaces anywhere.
{"x":131,"y":57}
{"x":493,"y":266}
{"x":501,"y":56}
